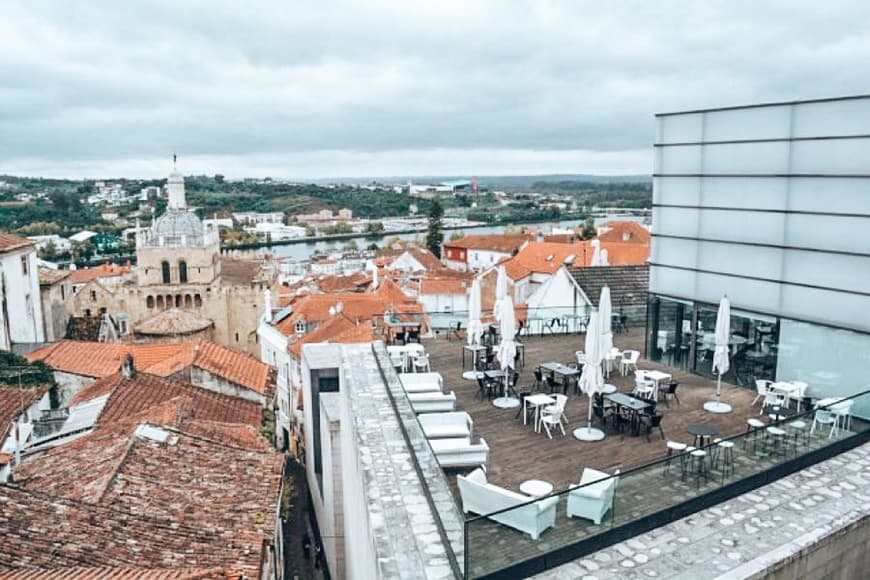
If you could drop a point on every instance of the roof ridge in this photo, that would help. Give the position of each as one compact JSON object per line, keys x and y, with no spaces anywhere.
{"x":121,"y":462}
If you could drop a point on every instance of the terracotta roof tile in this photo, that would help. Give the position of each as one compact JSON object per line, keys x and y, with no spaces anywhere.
{"x":100,"y":360}
{"x":338,"y":329}
{"x":9,"y":242}
{"x":83,"y":275}
{"x":118,"y":573}
{"x":172,"y":322}
{"x":356,"y":282}
{"x":49,"y":276}
{"x":115,"y":499}
{"x":618,"y":254}
{"x":492,"y":242}
{"x":625,"y":231}
{"x":542,"y":257}
{"x":12,"y":401}
{"x":443,"y":285}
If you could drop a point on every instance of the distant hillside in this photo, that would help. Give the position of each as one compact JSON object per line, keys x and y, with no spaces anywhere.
{"x":493,"y":181}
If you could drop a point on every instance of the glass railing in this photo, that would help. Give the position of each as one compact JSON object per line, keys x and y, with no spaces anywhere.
{"x":449,"y":519}
{"x":530,"y":537}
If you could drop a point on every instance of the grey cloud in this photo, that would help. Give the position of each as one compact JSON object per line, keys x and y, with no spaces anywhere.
{"x":91,"y":81}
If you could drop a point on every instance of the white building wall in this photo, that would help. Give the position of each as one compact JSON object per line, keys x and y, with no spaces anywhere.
{"x":273,"y":351}
{"x":444,"y":302}
{"x":482,"y":259}
{"x":23,"y":301}
{"x":558,"y":297}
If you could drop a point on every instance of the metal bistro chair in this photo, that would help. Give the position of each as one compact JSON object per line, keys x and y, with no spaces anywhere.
{"x":671,"y":391}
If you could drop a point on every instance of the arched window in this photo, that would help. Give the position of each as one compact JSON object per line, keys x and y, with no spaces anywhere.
{"x":164,"y":265}
{"x":160,"y":303}
{"x":178,"y":300}
{"x":197,"y":300}
{"x":182,"y":271}
{"x":169,"y":301}
{"x":149,"y":302}
{"x":188,"y":301}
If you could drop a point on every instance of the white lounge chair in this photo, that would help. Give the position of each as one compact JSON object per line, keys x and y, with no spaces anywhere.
{"x":484,"y":498}
{"x":421,"y":382}
{"x":460,"y":452}
{"x":592,"y":501}
{"x":432,"y":402}
{"x":446,"y":425}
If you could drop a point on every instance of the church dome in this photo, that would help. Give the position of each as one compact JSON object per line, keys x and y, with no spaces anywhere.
{"x":178,"y":227}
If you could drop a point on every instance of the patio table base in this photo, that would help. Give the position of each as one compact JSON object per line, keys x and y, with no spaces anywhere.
{"x":588,"y":434}
{"x":506,"y":402}
{"x":717,"y":407}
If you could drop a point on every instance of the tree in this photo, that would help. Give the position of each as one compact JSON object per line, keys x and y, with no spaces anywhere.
{"x":434,"y":234}
{"x":48,"y":251}
{"x":589,"y":230}
{"x":81,"y":252}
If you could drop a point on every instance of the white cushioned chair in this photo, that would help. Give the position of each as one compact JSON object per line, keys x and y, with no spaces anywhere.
{"x":460,"y":452}
{"x":421,"y":382}
{"x":446,"y":425}
{"x":433,"y":402}
{"x":483,"y":498}
{"x":595,"y":500}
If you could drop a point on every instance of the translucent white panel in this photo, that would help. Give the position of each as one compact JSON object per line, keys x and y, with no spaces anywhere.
{"x":744,"y":294}
{"x":672,"y":282}
{"x":743,"y":226}
{"x":840,"y":308}
{"x":680,"y":128}
{"x":747,"y":158}
{"x":676,"y":190}
{"x":827,"y":270}
{"x":673,"y":252}
{"x":745,"y":192}
{"x":742,"y":260}
{"x":680,"y":159}
{"x":836,"y":156}
{"x":759,"y":123}
{"x":830,"y":195}
{"x":822,"y":232}
{"x":850,"y":117}
{"x":674,"y":221}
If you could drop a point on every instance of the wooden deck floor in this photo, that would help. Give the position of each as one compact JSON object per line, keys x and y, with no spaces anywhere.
{"x":517,"y":453}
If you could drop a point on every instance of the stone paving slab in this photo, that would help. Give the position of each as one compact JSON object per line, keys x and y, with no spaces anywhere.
{"x":745,"y":535}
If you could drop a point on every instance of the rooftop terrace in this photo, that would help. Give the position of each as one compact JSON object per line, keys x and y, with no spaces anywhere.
{"x":646,"y":496}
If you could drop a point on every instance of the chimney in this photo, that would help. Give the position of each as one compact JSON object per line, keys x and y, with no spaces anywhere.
{"x":128,"y":369}
{"x":267,"y":306}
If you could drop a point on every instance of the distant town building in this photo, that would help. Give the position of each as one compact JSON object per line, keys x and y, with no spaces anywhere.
{"x":249,"y":218}
{"x":54,"y":288}
{"x":478,"y":252}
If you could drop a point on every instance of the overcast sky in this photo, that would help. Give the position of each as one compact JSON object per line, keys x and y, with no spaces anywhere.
{"x":372,"y":88}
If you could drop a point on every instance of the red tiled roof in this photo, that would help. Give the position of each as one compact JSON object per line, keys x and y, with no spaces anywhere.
{"x":83,"y":275}
{"x":493,"y":242}
{"x":618,"y":254}
{"x":140,"y":393}
{"x":356,"y":282}
{"x":9,"y":242}
{"x":99,"y":360}
{"x":12,"y":401}
{"x":338,"y":329}
{"x":49,"y":276}
{"x":443,"y":285}
{"x":118,"y":573}
{"x":115,"y":499}
{"x":541,"y":257}
{"x":625,"y":231}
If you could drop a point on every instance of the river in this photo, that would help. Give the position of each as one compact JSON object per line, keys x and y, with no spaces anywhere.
{"x":304,"y":250}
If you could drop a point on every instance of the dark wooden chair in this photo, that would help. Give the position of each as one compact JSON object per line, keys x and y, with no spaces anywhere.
{"x":671,"y":391}
{"x":653,"y":422}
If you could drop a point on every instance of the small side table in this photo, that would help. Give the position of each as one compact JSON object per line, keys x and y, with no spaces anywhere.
{"x":536,"y":487}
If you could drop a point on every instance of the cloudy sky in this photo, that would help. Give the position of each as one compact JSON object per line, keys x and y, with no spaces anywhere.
{"x":377,"y":88}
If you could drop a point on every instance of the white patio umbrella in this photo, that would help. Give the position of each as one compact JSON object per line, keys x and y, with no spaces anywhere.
{"x":500,"y":291}
{"x":605,"y":310}
{"x":591,"y":379}
{"x":507,"y":350}
{"x":596,"y":253}
{"x":720,"y":355}
{"x":475,"y":327}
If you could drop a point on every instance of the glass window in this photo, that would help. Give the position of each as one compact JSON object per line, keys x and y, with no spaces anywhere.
{"x":164,"y":266}
{"x":182,"y":271}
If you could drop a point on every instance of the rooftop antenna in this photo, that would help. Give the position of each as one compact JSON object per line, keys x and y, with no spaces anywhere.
{"x":174,"y":162}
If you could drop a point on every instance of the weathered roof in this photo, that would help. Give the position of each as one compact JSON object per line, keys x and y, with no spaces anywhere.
{"x":618,"y":253}
{"x":444,"y":285}
{"x":236,"y":272}
{"x":161,"y":359}
{"x":356,"y":282}
{"x":9,"y":242}
{"x":118,"y":573}
{"x":119,"y":498}
{"x":542,"y":257}
{"x":49,"y":276}
{"x":172,"y":322}
{"x":12,"y":401}
{"x":628,"y":284}
{"x":490,"y":242}
{"x":625,"y":231}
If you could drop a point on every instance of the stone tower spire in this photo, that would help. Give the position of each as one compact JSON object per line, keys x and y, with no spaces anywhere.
{"x":175,"y":187}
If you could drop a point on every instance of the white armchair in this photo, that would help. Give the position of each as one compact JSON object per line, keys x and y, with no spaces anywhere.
{"x":592,"y":501}
{"x":434,"y":402}
{"x":484,"y":498}
{"x":446,"y":425}
{"x":460,"y":452}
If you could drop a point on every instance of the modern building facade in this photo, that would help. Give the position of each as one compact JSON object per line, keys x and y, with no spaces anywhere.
{"x":769,"y":205}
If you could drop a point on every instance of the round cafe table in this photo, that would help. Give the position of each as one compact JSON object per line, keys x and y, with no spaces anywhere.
{"x":703,"y":432}
{"x":536,"y":487}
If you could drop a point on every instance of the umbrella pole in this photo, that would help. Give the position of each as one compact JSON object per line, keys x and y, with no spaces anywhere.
{"x":718,"y":406}
{"x":718,"y":387}
{"x":589,"y":434}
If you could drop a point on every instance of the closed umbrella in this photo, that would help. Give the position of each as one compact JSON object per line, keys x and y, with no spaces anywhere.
{"x":500,"y":291}
{"x":722,"y":336}
{"x":475,"y":327}
{"x":507,"y":350}
{"x":591,"y":379}
{"x":605,"y":310}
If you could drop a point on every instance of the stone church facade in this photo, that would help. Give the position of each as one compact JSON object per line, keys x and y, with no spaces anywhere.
{"x":181,"y":289}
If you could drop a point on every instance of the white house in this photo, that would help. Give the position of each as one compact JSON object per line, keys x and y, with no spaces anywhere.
{"x":21,"y":316}
{"x":19,"y":408}
{"x":557,"y":305}
{"x":476,"y":253}
{"x":444,"y":295}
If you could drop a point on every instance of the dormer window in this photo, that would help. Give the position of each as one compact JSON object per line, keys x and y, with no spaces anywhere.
{"x":300,"y":327}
